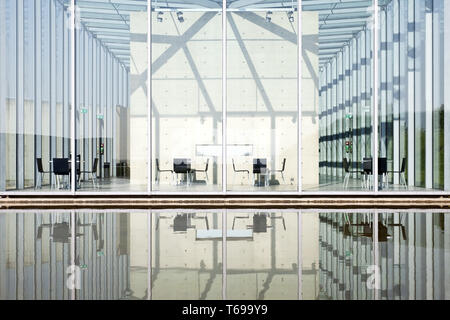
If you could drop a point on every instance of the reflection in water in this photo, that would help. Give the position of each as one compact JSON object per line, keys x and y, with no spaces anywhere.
{"x":339,"y":259}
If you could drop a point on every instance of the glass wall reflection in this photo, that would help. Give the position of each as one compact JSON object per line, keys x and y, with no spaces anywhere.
{"x":262,"y":259}
{"x":112,"y":250}
{"x":187,"y":255}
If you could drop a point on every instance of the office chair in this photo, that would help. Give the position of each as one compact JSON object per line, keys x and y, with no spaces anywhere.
{"x":204,"y":171}
{"x":402,"y":173}
{"x":158,"y":172}
{"x":283,"y":166}
{"x":61,"y":168}
{"x":92,"y":173}
{"x":240,"y":171}
{"x":42,"y":172}
{"x":346,"y":165}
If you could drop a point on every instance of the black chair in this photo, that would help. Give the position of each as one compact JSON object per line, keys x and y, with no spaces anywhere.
{"x":41,"y":172}
{"x":182,"y":166}
{"x":260,"y":168}
{"x":92,"y":173}
{"x":283,"y":166}
{"x":346,"y":166}
{"x":158,"y":172}
{"x":240,"y":171}
{"x":204,"y":171}
{"x":382,"y":169}
{"x":61,"y":168}
{"x":401,"y":173}
{"x":366,"y":172}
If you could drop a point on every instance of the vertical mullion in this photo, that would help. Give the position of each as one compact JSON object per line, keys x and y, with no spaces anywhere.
{"x":299,"y":93}
{"x":224,"y":96}
{"x":3,"y":97}
{"x":149,"y":98}
{"x":428,"y":50}
{"x":19,"y":95}
{"x":395,"y":64}
{"x":411,"y":89}
{"x":73,"y":99}
{"x":446,"y":96}
{"x":375,"y":137}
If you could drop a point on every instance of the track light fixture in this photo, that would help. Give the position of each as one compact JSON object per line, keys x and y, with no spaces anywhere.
{"x":268,"y":17}
{"x":160,"y":14}
{"x":180,"y":16}
{"x":291,"y":16}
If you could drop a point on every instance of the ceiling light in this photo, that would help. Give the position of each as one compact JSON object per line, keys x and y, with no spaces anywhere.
{"x":290,"y":16}
{"x":180,"y":16}
{"x":268,"y":18}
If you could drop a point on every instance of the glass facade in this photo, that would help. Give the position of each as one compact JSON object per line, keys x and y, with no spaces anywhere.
{"x":224,"y":97}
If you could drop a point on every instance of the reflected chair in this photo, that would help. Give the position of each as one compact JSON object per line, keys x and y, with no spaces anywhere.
{"x":283,"y":166}
{"x":92,"y":174}
{"x":401,"y":173}
{"x":260,"y":222}
{"x":61,"y":168}
{"x":346,"y":166}
{"x":204,"y":171}
{"x":42,"y":172}
{"x":183,"y":221}
{"x":382,"y":170}
{"x":158,"y":172}
{"x":240,"y":171}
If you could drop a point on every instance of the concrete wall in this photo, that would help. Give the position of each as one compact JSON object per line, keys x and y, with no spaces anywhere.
{"x":262,"y":91}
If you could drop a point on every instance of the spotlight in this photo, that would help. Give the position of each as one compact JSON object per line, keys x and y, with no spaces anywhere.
{"x":268,"y":18}
{"x":180,"y":16}
{"x":290,"y":16}
{"x":160,"y":19}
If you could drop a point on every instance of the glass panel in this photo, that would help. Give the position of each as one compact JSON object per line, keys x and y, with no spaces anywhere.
{"x":112,"y":251}
{"x":112,"y":108}
{"x":345,"y":256}
{"x":262,"y":255}
{"x":412,"y":96}
{"x":187,"y":255}
{"x":34,"y":100}
{"x":262,"y":113}
{"x":337,"y":96}
{"x":187,"y":97}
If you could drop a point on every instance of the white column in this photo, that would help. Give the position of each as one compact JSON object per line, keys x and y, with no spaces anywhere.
{"x":3,"y":97}
{"x":428,"y":98}
{"x":411,"y":100}
{"x":446,"y":96}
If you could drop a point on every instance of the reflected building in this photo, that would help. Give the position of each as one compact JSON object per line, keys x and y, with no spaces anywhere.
{"x":244,"y":255}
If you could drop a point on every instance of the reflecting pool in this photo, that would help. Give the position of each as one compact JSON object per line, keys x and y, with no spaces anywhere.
{"x":224,"y":254}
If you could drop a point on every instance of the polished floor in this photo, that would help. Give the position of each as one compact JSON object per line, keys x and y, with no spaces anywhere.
{"x":342,"y":256}
{"x":326,"y":184}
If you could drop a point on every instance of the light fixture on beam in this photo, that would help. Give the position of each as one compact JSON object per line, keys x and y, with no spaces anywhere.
{"x":180,"y":16}
{"x":268,"y":16}
{"x":160,"y":18}
{"x":291,"y":16}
